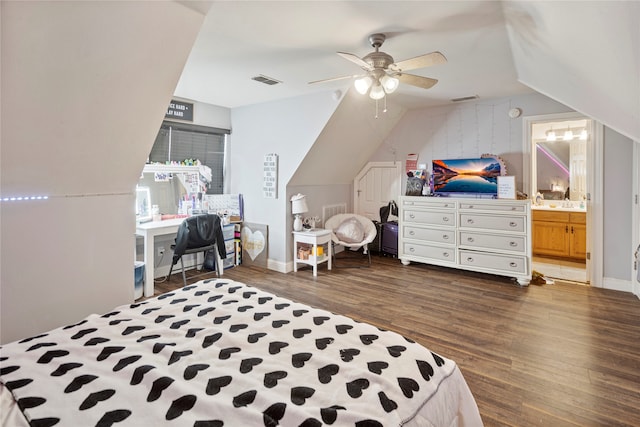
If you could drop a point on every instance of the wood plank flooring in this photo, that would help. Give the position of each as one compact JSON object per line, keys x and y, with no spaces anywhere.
{"x":554,"y":355}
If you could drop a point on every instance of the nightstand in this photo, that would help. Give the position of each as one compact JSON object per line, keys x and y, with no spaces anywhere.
{"x":312,"y":247}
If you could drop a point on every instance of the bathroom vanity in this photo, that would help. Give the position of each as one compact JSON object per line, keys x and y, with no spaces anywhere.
{"x":559,"y":232}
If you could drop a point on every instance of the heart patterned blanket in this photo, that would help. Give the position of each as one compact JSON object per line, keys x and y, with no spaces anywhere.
{"x":220,"y":353}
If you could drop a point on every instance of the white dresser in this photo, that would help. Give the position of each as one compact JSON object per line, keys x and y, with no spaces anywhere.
{"x":484,"y":235}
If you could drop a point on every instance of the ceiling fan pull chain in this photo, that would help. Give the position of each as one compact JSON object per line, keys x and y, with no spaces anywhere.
{"x":385,"y":105}
{"x":376,"y":108}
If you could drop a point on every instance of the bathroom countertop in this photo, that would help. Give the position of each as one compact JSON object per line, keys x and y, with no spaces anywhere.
{"x":558,"y":207}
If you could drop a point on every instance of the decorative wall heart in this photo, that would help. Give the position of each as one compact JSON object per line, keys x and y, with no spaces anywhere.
{"x":252,"y":242}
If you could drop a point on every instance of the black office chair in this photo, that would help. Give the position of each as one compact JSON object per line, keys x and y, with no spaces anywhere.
{"x":199,"y":233}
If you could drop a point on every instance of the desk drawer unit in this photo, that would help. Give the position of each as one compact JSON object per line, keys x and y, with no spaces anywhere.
{"x":493,"y":242}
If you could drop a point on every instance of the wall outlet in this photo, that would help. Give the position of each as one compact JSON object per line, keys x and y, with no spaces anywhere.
{"x":160,"y":250}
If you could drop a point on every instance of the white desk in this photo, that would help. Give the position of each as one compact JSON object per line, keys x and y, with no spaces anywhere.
{"x":315,"y":238}
{"x":149,"y":231}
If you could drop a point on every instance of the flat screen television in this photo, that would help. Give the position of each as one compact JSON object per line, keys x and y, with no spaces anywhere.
{"x":467,"y":177}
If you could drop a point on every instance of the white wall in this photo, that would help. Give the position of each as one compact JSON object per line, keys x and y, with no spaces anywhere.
{"x":287,"y":128}
{"x":85,"y":86}
{"x":466,"y":130}
{"x":590,"y":63}
{"x":617,"y":199}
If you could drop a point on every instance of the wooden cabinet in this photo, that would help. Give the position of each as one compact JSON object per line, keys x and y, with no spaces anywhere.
{"x":485,"y":235}
{"x":559,"y":233}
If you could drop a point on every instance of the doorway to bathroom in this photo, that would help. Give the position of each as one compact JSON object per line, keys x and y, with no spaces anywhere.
{"x":560,"y":149}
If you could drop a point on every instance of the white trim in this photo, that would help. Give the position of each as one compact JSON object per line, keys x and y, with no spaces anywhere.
{"x":617,"y":284}
{"x":635,"y":222}
{"x":595,"y":207}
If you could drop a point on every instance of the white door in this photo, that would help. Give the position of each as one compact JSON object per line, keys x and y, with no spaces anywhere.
{"x":376,"y":185}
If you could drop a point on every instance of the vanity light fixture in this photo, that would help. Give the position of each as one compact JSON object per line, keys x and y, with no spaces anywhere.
{"x":584,"y":135}
{"x":568,"y":134}
{"x":551,"y":135}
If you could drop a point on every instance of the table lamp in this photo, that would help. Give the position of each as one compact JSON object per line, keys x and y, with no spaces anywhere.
{"x":298,"y":206}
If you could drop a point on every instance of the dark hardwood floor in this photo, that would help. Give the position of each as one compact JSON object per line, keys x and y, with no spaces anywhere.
{"x":553,"y":355}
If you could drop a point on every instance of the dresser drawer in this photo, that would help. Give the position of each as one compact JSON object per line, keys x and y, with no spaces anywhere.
{"x":432,"y":252}
{"x":428,"y":202}
{"x":495,"y":207}
{"x":429,"y":234}
{"x":430,"y":217}
{"x":489,"y":241}
{"x":493,"y":222}
{"x":507,"y":263}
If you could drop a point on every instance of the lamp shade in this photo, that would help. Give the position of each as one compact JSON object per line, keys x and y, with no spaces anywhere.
{"x":390,"y":84}
{"x":363,"y":84}
{"x":299,"y":204}
{"x":377,"y":92}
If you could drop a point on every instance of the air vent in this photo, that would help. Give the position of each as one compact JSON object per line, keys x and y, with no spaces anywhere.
{"x":465,"y":98}
{"x":266,"y":80}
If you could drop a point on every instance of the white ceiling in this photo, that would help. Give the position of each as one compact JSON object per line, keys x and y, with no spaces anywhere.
{"x":296,"y":42}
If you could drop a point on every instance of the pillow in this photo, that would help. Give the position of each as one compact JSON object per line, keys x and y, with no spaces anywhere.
{"x":350,"y":231}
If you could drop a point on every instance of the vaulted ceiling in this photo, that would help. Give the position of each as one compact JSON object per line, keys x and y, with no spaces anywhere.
{"x":583,"y":54}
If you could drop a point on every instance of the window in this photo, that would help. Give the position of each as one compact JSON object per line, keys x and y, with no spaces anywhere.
{"x":181,"y":141}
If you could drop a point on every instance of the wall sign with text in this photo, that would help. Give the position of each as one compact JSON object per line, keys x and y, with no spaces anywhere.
{"x":180,"y":110}
{"x":270,"y":176}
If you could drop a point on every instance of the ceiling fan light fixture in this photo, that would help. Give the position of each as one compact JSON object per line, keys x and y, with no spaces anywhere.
{"x":390,"y":84}
{"x":377,"y":92}
{"x":363,"y":84}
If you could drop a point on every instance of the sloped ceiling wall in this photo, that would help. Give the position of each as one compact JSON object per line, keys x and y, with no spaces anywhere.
{"x":585,"y":55}
{"x":349,"y":139}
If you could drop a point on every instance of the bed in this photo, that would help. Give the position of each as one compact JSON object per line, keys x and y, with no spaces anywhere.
{"x":222,"y":353}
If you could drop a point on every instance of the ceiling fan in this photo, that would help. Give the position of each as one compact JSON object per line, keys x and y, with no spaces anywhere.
{"x":383,"y":75}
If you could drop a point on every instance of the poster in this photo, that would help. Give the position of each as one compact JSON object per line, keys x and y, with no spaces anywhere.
{"x":506,"y":187}
{"x":270,"y":176}
{"x":254,"y":239}
{"x":411,"y":163}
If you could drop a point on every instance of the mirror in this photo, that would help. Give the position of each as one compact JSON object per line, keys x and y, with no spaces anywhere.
{"x":559,"y":158}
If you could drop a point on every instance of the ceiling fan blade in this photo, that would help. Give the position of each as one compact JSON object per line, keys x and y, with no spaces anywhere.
{"x":427,"y":60}
{"x":356,"y":60}
{"x":419,"y":81}
{"x":332,"y":79}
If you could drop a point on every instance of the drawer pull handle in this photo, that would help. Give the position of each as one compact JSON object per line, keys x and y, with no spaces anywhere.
{"x":411,"y":250}
{"x":469,"y":259}
{"x":513,"y":264}
{"x":445,"y":237}
{"x":412,"y":233}
{"x":513,"y":224}
{"x":469,"y":221}
{"x":469,"y":239}
{"x":445,"y":219}
{"x":412,"y":216}
{"x":513,"y":208}
{"x":513,"y":244}
{"x":445,"y":254}
{"x":470,"y":206}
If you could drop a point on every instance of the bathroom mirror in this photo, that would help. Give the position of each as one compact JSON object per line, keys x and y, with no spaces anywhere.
{"x":559,"y":157}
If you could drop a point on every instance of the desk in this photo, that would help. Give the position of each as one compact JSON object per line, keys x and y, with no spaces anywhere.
{"x":149,"y":231}
{"x":315,"y":238}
